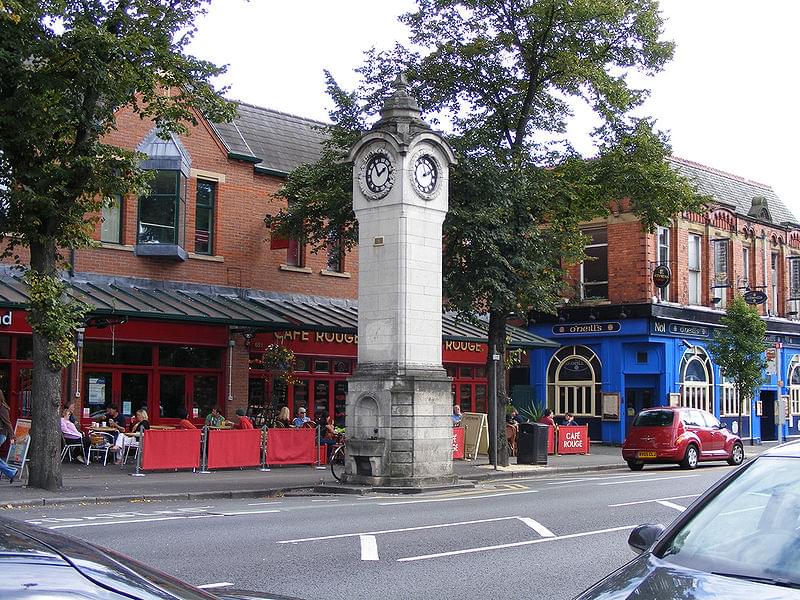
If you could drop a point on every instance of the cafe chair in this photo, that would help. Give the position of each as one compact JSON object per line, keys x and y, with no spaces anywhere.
{"x":101,"y":442}
{"x":128,"y":450}
{"x":68,"y":445}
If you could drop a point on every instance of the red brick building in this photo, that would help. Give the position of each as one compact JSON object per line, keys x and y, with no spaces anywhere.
{"x":188,"y":287}
{"x":628,"y":344}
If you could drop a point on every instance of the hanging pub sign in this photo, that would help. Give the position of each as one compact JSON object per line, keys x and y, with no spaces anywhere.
{"x":721,"y":263}
{"x":755,"y":297}
{"x":662,"y":276}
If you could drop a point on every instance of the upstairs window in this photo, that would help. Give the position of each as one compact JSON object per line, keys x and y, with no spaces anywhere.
{"x":794,"y":286}
{"x":205,"y":200}
{"x":162,"y":212}
{"x":594,"y":271}
{"x":721,"y":279}
{"x":335,"y":262}
{"x":695,"y":269}
{"x":745,"y":267}
{"x":111,"y":221}
{"x":774,"y":290}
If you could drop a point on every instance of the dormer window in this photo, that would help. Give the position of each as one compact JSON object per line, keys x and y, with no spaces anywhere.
{"x":759,"y":209}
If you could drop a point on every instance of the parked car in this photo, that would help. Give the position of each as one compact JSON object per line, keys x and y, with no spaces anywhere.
{"x":738,"y":541}
{"x":679,"y":435}
{"x":39,"y":563}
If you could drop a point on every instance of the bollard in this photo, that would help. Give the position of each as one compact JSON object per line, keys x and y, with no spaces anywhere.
{"x":264,"y":466}
{"x":204,"y":452}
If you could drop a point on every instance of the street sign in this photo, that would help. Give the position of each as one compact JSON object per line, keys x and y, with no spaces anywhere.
{"x":755,"y":297}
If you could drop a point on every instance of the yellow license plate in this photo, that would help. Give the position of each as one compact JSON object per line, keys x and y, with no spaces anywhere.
{"x":647,"y":454}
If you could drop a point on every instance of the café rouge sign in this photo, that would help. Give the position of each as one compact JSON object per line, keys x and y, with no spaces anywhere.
{"x":328,"y":337}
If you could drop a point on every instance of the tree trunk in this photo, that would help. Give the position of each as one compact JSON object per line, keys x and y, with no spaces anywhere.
{"x":45,"y":450}
{"x":495,"y":371}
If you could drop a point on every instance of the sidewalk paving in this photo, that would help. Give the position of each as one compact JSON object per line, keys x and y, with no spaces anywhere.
{"x":96,"y":483}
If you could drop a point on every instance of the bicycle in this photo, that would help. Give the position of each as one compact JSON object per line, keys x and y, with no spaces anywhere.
{"x":337,"y":462}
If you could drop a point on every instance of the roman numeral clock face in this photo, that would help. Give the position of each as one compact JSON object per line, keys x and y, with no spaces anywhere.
{"x":377,"y":174}
{"x":425,"y":175}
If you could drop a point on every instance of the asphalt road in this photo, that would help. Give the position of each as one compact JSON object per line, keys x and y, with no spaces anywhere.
{"x":531,"y":538}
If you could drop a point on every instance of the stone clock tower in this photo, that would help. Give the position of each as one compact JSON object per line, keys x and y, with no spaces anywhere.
{"x":399,"y":403}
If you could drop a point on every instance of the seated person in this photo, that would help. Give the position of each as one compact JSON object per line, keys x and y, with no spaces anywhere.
{"x":569,"y":420}
{"x":547,"y":417}
{"x":301,"y":418}
{"x":327,"y":433}
{"x":214,"y":419}
{"x":115,"y":419}
{"x":456,"y":415}
{"x":140,"y":426}
{"x":184,"y":422}
{"x":243,"y":422}
{"x":70,"y":406}
{"x":71,"y":432}
{"x":284,"y":418}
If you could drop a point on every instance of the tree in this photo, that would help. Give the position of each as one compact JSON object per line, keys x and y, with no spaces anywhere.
{"x":738,"y":349}
{"x":501,"y":75}
{"x":68,"y":66}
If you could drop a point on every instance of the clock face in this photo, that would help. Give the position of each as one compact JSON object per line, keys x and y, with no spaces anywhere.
{"x":426,"y":174}
{"x":379,"y":174}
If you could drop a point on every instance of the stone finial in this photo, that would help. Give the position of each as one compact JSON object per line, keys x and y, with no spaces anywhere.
{"x":400,"y":107}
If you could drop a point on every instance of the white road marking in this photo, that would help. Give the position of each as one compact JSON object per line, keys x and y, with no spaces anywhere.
{"x":668,"y":504}
{"x":152,"y":520}
{"x":263,"y":503}
{"x":210,"y":586}
{"x":369,"y":547}
{"x":537,"y":527}
{"x":656,"y":500}
{"x":326,"y":500}
{"x":454,"y":498}
{"x":401,"y":530}
{"x":515,"y":544}
{"x":649,"y":479}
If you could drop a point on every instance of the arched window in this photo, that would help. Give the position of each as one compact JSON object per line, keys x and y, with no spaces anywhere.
{"x":573,"y":381}
{"x":696,"y":380}
{"x":794,"y":385}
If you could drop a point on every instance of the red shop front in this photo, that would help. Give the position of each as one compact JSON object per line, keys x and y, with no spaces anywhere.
{"x":325,"y":360}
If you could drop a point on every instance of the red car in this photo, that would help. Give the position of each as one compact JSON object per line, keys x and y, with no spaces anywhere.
{"x":679,"y":435}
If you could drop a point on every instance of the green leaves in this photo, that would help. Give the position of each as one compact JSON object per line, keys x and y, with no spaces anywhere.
{"x":738,"y":348}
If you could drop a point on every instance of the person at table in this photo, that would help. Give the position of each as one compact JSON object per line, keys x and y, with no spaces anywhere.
{"x":301,"y":418}
{"x":6,"y":431}
{"x":243,"y":421}
{"x":70,"y":407}
{"x":71,"y":433}
{"x":569,"y":420}
{"x":327,"y":433}
{"x":141,"y":425}
{"x":184,"y":422}
{"x":284,"y":418}
{"x":214,"y":419}
{"x":547,"y":418}
{"x":456,"y":415}
{"x":115,"y":419}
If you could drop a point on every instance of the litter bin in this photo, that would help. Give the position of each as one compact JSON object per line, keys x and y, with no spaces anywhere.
{"x":532,"y":444}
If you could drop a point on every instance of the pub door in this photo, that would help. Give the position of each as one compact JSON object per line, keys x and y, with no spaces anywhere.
{"x":636,"y":399}
{"x":768,"y":428}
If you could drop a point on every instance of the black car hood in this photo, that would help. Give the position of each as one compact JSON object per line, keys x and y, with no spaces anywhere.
{"x":650,"y":578}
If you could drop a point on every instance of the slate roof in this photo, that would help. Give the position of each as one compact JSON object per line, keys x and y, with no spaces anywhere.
{"x":731,"y":190}
{"x":277,"y":142}
{"x":265,"y":311}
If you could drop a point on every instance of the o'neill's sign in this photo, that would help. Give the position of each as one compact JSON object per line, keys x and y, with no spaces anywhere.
{"x":586,"y":328}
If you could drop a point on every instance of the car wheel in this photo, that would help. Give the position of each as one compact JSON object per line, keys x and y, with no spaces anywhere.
{"x":690,"y":458}
{"x":635,"y":466}
{"x":737,"y":455}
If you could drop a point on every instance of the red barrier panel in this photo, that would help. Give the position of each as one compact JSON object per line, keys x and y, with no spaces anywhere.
{"x":458,"y":443}
{"x":573,"y":439}
{"x":171,"y":449}
{"x":551,"y":440}
{"x":291,"y":446}
{"x":233,"y":448}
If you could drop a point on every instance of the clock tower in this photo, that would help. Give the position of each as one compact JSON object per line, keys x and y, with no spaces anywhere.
{"x":399,"y":404}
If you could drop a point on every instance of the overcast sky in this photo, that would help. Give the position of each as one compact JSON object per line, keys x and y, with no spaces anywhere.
{"x":729,"y":98}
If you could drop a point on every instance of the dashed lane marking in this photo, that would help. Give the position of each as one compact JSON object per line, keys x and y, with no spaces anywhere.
{"x":451,"y":499}
{"x":537,"y":527}
{"x":369,"y":547}
{"x":515,"y":544}
{"x":668,"y":504}
{"x":211,"y":586}
{"x":648,"y":479}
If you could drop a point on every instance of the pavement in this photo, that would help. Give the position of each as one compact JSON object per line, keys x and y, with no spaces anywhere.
{"x":96,"y":483}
